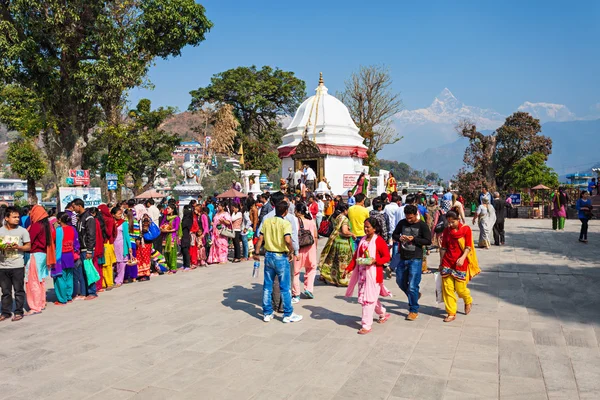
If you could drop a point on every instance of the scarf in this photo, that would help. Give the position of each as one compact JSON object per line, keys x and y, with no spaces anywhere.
{"x":109,"y":222}
{"x":459,"y":235}
{"x":37,"y":214}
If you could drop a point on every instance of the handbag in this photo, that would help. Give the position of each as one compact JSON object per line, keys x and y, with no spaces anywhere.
{"x":305,"y":237}
{"x":91,"y":274}
{"x":226,"y":232}
{"x":441,"y":225}
{"x":153,"y":232}
{"x":326,"y":227}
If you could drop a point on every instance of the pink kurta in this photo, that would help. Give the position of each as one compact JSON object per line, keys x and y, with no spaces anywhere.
{"x":365,"y":276}
{"x":220,"y":244}
{"x":307,"y":259}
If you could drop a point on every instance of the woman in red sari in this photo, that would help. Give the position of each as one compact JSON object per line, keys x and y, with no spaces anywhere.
{"x":458,"y":265}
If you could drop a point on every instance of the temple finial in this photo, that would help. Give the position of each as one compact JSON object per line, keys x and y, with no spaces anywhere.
{"x":321,"y":83}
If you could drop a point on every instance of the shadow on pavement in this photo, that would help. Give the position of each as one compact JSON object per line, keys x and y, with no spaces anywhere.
{"x":317,"y":312}
{"x":244,"y":299}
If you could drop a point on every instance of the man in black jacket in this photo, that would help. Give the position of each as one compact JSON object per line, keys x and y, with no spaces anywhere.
{"x":86,"y":229}
{"x":412,"y":234}
{"x":500,"y":207}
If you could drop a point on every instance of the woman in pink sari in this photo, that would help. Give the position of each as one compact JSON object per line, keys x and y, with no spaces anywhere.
{"x":220,"y":243}
{"x":367,"y":271}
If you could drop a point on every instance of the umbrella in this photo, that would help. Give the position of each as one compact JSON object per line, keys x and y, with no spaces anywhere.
{"x":150,"y":194}
{"x":540,"y":187}
{"x":231,"y":194}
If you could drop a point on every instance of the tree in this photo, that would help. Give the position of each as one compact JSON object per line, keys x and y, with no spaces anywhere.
{"x":79,"y":57}
{"x":26,"y":161}
{"x":532,"y":171}
{"x":142,"y":146}
{"x":516,"y":139}
{"x":17,"y":199}
{"x":372,"y":103}
{"x":259,"y":98}
{"x":489,"y":158}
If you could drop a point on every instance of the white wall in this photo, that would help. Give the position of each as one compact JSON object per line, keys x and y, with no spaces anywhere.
{"x":336,"y":167}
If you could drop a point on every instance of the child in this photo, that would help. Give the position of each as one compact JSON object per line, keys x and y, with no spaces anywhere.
{"x":367,"y":271}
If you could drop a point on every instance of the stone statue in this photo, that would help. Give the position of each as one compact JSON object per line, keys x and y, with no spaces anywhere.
{"x":189,"y":174}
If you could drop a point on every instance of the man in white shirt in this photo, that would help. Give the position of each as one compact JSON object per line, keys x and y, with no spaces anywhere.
{"x":311,"y":178}
{"x":153,"y":211}
{"x":390,"y":211}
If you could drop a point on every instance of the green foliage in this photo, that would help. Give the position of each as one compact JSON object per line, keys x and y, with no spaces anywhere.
{"x":18,"y":199}
{"x":141,"y":146}
{"x":26,"y":159}
{"x":79,"y":58}
{"x":219,"y":183}
{"x":401,"y":171}
{"x":258,"y":98}
{"x":20,"y":110}
{"x":532,"y":171}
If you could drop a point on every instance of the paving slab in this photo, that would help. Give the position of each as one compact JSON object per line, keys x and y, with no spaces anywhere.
{"x":533,"y":333}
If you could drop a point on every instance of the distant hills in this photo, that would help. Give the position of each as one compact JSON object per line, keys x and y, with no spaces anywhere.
{"x":430,"y":141}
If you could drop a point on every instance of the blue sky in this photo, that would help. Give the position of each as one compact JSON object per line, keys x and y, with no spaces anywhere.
{"x":491,"y":54}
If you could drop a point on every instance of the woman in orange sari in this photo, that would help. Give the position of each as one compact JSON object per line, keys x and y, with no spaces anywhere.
{"x":458,"y":265}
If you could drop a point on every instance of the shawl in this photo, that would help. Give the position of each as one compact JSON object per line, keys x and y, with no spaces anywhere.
{"x":37,"y":214}
{"x":459,"y":234}
{"x":109,"y":222}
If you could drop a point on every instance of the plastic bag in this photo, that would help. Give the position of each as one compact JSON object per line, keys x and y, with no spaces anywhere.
{"x":438,"y":288}
{"x":153,"y":232}
{"x":91,"y":274}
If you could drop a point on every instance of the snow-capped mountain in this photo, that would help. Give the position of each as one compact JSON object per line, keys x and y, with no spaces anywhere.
{"x":547,"y":112}
{"x":447,"y":109}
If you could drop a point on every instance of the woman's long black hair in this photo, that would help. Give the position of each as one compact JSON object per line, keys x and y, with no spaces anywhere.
{"x":46,"y":225}
{"x":100,"y":218}
{"x":302,"y":209}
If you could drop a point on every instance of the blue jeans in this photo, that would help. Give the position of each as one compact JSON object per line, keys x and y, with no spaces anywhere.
{"x":408,"y":278}
{"x":244,"y":245}
{"x":79,"y":283}
{"x":277,"y":265}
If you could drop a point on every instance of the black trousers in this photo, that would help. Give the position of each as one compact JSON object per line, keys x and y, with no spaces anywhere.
{"x":12,"y":278}
{"x":498,"y":233}
{"x":185,"y":253}
{"x":157,"y":243}
{"x":584,"y":229}
{"x":237,"y":241}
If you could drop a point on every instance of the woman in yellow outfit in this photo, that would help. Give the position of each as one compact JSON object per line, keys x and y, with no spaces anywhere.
{"x":458,"y":265}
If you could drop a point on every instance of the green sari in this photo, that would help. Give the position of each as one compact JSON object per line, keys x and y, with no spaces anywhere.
{"x":170,"y":249}
{"x":336,"y":254}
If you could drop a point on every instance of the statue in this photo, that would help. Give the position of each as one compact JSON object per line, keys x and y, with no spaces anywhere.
{"x":189,"y":174}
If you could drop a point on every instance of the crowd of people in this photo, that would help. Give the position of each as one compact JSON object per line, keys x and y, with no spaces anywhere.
{"x":87,"y":251}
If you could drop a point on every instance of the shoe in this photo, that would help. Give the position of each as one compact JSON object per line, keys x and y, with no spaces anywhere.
{"x":292,"y":318}
{"x":269,"y":317}
{"x":383,"y":318}
{"x":412,"y":316}
{"x":309,"y":294}
{"x":295,"y":299}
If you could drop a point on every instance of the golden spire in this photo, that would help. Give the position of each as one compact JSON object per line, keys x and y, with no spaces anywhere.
{"x":321,"y":83}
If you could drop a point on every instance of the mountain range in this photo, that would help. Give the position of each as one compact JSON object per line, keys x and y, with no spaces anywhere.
{"x":431,"y":142}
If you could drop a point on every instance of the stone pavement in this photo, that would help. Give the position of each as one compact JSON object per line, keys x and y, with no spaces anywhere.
{"x":533,"y":334}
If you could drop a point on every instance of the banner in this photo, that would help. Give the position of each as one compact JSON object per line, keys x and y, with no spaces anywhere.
{"x":92,"y":197}
{"x":516,"y":199}
{"x":111,"y":185}
{"x":349,"y":180}
{"x":111,"y":177}
{"x":79,"y":177}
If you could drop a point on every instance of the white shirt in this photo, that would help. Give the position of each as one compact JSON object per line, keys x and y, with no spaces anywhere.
{"x":154,"y":214}
{"x":321,"y":208}
{"x":390,"y":210}
{"x":310,"y":174}
{"x":400,"y":214}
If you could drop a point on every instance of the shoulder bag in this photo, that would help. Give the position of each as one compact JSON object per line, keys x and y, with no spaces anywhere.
{"x":305,"y":237}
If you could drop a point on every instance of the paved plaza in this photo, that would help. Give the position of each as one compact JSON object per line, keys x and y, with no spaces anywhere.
{"x":533,"y":334}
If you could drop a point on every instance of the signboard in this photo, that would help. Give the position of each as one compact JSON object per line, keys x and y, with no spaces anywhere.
{"x":111,"y":177}
{"x":112,"y":185}
{"x":92,"y":197}
{"x":349,"y":180}
{"x":80,"y":177}
{"x":516,"y":199}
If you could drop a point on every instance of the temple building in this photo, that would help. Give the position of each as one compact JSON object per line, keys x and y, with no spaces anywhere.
{"x":324,"y":136}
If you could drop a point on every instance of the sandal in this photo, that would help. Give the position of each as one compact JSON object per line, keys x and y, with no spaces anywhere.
{"x":17,"y":317}
{"x":363,"y":331}
{"x":468,"y":308}
{"x":3,"y":318}
{"x":426,"y":272}
{"x":450,"y":318}
{"x":383,"y":318}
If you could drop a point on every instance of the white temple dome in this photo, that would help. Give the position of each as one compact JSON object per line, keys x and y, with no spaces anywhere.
{"x":325,"y":119}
